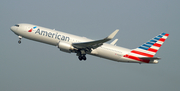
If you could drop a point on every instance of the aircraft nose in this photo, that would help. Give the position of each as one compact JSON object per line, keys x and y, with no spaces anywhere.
{"x":13,"y":28}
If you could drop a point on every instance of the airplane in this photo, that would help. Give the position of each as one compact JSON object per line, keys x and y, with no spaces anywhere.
{"x":81,"y":45}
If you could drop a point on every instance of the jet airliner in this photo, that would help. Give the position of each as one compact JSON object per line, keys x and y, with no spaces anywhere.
{"x":81,"y":46}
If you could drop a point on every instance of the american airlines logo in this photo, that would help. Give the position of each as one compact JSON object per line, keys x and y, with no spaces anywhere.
{"x":30,"y":30}
{"x":50,"y":34}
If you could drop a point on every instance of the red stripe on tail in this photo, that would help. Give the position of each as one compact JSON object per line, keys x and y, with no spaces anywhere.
{"x":162,"y":39}
{"x":141,"y":53}
{"x":166,"y":35}
{"x":152,"y":50}
{"x":158,"y":45}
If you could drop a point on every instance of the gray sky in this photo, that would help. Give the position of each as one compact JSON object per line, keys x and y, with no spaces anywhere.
{"x":34,"y":66}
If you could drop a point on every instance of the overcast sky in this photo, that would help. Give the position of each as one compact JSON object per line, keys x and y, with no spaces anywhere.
{"x":34,"y":66}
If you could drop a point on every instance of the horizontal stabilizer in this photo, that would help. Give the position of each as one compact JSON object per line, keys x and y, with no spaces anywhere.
{"x":114,"y":42}
{"x":150,"y":58}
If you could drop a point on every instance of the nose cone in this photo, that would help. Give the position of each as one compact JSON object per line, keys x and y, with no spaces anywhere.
{"x":13,"y":28}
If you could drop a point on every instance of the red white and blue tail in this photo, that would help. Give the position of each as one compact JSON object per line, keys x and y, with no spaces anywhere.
{"x":145,"y":53}
{"x":150,"y":48}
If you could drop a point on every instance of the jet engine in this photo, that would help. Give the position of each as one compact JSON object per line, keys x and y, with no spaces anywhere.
{"x":65,"y":46}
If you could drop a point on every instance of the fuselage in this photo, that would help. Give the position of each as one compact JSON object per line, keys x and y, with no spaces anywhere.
{"x":53,"y":37}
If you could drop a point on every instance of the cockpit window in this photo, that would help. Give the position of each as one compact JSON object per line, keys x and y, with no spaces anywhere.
{"x":17,"y":25}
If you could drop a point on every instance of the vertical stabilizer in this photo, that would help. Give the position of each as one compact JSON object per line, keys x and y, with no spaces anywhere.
{"x":145,"y":53}
{"x":150,"y":48}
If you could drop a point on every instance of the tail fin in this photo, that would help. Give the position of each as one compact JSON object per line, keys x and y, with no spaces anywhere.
{"x":150,"y":48}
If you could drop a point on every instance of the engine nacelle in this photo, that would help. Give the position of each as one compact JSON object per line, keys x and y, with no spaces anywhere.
{"x":65,"y":46}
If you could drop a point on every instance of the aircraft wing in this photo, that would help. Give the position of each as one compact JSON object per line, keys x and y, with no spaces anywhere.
{"x":94,"y":44}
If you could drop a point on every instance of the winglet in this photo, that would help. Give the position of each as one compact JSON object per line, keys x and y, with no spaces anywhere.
{"x":112,"y":34}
